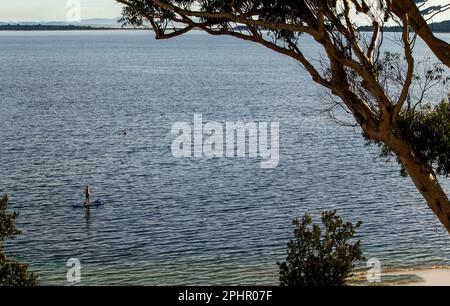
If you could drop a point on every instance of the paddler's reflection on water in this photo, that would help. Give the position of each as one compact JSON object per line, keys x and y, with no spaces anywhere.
{"x":87,"y":217}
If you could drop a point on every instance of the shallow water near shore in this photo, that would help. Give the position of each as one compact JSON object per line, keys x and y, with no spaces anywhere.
{"x":65,"y":100}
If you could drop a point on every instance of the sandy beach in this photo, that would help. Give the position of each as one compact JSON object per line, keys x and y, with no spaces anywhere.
{"x":422,"y":276}
{"x":425,"y":277}
{"x":437,"y":276}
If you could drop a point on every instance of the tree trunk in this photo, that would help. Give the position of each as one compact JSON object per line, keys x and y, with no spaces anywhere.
{"x":425,"y":180}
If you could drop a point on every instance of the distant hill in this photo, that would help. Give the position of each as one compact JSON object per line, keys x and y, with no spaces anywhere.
{"x":110,"y":23}
{"x":40,"y":27}
{"x":94,"y":22}
{"x":437,"y":27}
{"x":101,"y":21}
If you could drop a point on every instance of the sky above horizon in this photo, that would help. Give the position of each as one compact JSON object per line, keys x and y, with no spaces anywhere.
{"x":58,"y":10}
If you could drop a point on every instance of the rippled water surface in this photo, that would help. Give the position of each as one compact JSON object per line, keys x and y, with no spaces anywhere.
{"x":66,"y":98}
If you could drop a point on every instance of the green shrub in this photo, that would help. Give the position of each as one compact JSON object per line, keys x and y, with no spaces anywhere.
{"x":320,"y":256}
{"x":11,"y":273}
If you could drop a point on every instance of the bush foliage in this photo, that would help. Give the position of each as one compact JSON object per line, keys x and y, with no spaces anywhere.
{"x":320,"y":256}
{"x":427,"y":130}
{"x":11,"y":273}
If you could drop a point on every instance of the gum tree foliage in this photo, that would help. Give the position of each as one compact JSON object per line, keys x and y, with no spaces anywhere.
{"x":427,"y":130}
{"x":320,"y":255}
{"x":11,"y":273}
{"x":377,"y":87}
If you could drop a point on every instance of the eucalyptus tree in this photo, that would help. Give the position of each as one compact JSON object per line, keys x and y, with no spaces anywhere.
{"x":373,"y":83}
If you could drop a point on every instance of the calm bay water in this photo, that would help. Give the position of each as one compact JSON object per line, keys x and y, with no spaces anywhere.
{"x":66,"y":97}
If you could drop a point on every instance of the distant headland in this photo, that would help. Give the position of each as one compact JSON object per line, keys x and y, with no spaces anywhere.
{"x":43,"y":27}
{"x":84,"y":24}
{"x":436,"y":27}
{"x":113,"y":24}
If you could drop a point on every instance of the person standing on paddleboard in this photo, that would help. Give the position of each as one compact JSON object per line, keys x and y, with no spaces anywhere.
{"x":87,"y":193}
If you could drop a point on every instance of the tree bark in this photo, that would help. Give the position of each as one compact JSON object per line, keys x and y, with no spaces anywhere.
{"x":425,"y":180}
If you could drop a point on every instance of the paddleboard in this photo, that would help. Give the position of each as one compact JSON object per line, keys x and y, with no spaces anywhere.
{"x":96,"y":203}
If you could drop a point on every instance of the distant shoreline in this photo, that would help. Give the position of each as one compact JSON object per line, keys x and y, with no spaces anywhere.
{"x":43,"y":27}
{"x":15,"y":27}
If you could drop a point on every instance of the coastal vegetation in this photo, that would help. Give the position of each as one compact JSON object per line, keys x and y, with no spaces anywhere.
{"x":12,"y":273}
{"x":321,"y":255}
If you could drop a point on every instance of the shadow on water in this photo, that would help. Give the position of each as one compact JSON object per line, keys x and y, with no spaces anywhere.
{"x":87,"y":217}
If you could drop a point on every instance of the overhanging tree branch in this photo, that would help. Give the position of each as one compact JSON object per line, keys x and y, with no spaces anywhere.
{"x":365,"y":82}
